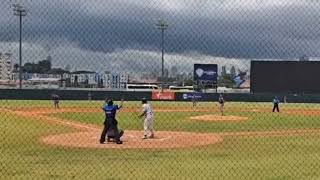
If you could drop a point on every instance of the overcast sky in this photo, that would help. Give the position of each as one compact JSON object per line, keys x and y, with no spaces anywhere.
{"x":117,"y":35}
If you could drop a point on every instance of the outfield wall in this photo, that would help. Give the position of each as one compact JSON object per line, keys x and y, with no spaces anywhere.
{"x":261,"y":97}
{"x":29,"y":94}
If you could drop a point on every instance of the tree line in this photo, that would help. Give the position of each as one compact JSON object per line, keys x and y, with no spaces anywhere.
{"x":42,"y":67}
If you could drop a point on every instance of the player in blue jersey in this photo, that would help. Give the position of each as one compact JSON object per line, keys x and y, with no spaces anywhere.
{"x":110,"y":123}
{"x":276,"y":103}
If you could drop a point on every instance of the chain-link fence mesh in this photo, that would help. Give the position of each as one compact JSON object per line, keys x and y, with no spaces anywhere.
{"x":198,"y":89}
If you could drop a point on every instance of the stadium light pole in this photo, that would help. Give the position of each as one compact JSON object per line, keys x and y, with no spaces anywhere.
{"x":20,"y":11}
{"x":162,"y":25}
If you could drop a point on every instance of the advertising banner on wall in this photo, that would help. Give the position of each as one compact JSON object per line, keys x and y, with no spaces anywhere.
{"x":165,"y":95}
{"x":191,"y":96}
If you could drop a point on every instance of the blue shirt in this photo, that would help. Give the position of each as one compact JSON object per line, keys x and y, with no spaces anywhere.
{"x":110,"y":111}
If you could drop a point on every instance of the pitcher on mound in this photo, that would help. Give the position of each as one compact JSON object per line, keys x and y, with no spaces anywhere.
{"x":148,"y":119}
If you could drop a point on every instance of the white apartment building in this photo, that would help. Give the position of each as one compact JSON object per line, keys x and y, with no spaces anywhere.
{"x":6,"y":66}
{"x":115,"y":81}
{"x":88,"y":78}
{"x":106,"y":80}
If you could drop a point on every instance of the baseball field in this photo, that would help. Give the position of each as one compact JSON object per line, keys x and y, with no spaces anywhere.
{"x":249,"y":142}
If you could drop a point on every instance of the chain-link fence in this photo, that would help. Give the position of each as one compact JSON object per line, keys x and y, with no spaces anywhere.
{"x":198,"y":89}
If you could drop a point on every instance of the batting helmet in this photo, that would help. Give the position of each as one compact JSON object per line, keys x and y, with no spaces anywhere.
{"x":144,"y":100}
{"x":109,"y":102}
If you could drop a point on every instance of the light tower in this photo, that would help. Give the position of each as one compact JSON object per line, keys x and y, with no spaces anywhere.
{"x":162,"y":25}
{"x":20,"y":11}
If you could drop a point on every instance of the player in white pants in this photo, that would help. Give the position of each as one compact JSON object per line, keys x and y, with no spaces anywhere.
{"x":148,"y":119}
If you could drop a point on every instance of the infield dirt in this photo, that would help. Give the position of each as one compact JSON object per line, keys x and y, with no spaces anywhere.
{"x":88,"y":135}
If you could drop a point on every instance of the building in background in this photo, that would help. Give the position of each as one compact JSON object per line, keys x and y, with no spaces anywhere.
{"x":5,"y":67}
{"x":84,"y":79}
{"x":27,"y":76}
{"x":143,"y":78}
{"x":304,"y":58}
{"x":42,"y":83}
{"x":77,"y":79}
{"x":114,"y":80}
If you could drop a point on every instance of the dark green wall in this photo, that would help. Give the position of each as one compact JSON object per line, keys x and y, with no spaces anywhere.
{"x":266,"y":97}
{"x":28,"y":94}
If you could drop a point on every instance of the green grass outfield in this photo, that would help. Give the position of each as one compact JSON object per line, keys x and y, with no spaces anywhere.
{"x":23,"y":156}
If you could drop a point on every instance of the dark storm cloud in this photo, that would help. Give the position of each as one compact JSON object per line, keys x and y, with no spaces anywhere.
{"x":216,"y":28}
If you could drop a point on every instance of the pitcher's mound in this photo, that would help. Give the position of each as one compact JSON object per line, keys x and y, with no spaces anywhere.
{"x":132,"y":140}
{"x":214,"y":117}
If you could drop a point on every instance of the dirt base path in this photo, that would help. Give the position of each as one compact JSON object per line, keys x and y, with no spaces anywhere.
{"x":88,"y":135}
{"x":132,"y":140}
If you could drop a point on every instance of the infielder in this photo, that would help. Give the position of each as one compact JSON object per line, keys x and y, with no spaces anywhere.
{"x":221,"y":104}
{"x":110,"y":123}
{"x":55,"y":99}
{"x":194,"y":100}
{"x":148,"y":119}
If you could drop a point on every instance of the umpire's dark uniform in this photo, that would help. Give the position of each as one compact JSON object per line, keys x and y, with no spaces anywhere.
{"x":110,"y":123}
{"x":276,"y":103}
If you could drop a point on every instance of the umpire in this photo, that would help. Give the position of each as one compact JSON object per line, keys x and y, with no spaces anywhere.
{"x":276,"y":103}
{"x":110,"y":123}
